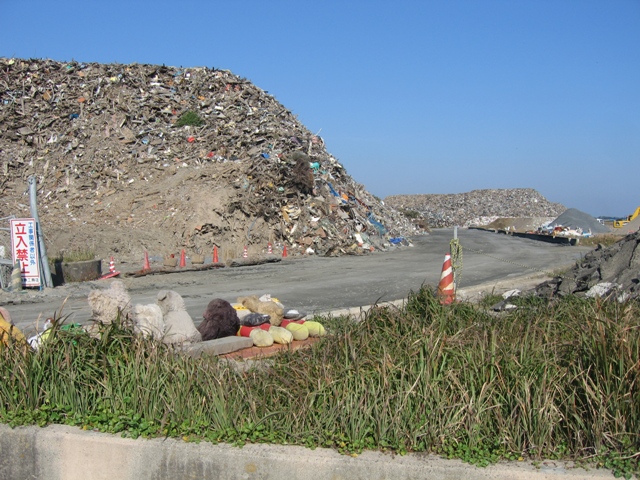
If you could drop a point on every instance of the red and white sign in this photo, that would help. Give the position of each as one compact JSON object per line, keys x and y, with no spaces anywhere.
{"x":24,"y":247}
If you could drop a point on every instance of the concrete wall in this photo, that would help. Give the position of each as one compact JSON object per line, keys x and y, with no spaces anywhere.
{"x":67,"y":453}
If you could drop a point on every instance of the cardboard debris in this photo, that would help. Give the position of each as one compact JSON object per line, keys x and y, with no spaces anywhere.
{"x":134,"y":158}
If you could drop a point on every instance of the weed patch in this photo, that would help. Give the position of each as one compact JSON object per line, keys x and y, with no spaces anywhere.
{"x":557,"y":380}
{"x":189,"y":118}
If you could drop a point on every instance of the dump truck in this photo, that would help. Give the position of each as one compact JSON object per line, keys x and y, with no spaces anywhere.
{"x":623,"y":221}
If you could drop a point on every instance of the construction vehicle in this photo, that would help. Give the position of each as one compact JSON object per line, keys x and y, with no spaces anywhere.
{"x":624,"y":221}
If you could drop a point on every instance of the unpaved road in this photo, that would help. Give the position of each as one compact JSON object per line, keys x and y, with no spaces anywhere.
{"x":319,"y":284}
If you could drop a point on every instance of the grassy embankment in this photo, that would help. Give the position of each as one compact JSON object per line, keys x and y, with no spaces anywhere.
{"x":556,"y":380}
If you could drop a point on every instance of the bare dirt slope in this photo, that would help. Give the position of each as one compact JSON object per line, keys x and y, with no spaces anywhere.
{"x":118,"y":173}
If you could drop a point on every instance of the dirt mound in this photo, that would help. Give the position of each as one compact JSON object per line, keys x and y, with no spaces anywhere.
{"x":475,"y":208}
{"x":603,"y":271}
{"x":519,"y":224}
{"x":575,"y":219}
{"x":129,"y":158}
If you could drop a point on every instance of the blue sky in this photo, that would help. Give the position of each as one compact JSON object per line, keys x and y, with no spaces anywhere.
{"x":411,"y":96}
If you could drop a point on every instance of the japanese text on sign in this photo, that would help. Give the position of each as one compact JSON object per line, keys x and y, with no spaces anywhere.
{"x":24,"y":248}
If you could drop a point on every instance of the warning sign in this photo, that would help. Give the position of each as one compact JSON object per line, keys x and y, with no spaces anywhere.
{"x":24,"y":247}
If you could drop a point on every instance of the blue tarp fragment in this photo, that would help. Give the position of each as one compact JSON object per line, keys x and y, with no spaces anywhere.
{"x":380,"y":227}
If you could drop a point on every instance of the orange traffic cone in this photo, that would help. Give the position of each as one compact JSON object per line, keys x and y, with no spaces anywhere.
{"x":245,"y":253}
{"x":112,"y":270}
{"x":146,"y":265}
{"x":284,"y":251}
{"x":215,"y":254}
{"x":183,"y":260}
{"x":269,"y":248}
{"x":446,"y":288}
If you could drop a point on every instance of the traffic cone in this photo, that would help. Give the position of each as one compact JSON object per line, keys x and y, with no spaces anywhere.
{"x":284,"y":252}
{"x":112,"y":270}
{"x":446,"y":289}
{"x":183,"y":260}
{"x":146,"y":265}
{"x":215,"y":254}
{"x":245,"y":253}
{"x":269,"y":248}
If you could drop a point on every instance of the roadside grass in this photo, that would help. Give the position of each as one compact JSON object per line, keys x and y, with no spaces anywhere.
{"x":76,"y":255}
{"x":604,"y":239}
{"x":557,"y":380}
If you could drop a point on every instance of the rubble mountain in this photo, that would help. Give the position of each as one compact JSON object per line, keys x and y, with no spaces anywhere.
{"x":477,"y":207}
{"x":135,"y":158}
{"x":612,"y":271}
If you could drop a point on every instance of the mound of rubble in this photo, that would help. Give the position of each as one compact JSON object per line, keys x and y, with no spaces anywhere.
{"x":576,"y":219}
{"x":614,"y":270}
{"x":134,"y":158}
{"x":476,"y":208}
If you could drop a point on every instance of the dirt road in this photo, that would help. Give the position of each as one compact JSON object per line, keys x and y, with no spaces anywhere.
{"x":317,"y":284}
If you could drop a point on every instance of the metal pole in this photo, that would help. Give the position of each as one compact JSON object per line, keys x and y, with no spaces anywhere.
{"x":44,"y":260}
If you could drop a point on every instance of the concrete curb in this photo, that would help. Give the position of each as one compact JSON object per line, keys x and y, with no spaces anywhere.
{"x":60,"y":452}
{"x":464,"y":294}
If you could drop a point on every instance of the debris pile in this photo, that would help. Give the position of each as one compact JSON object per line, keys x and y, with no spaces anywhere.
{"x":612,"y":271}
{"x":579,"y":222}
{"x":476,"y":208}
{"x":130,"y":158}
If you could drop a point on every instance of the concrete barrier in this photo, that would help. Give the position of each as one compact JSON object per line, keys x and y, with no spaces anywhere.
{"x":60,"y":452}
{"x":533,"y":236}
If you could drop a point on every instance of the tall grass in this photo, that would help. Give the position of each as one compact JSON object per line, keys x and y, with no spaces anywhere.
{"x":554,"y":380}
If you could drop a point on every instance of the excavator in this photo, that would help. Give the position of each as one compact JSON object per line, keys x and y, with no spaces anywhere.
{"x":622,"y":222}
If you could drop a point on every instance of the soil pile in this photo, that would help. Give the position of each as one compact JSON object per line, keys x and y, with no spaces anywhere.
{"x":134,"y":158}
{"x":476,"y":208}
{"x":614,"y":270}
{"x":574,"y":219}
{"x":519,"y":224}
